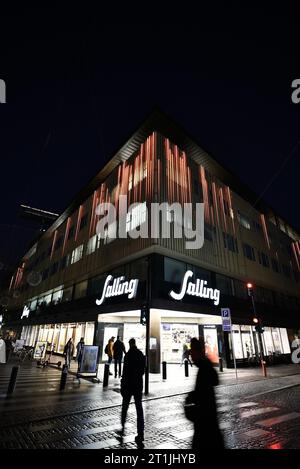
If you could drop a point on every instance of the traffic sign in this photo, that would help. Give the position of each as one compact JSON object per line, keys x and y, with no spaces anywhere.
{"x":226,"y":319}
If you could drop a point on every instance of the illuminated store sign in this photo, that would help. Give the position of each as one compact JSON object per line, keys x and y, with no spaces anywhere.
{"x":26,"y":312}
{"x":117,"y":287}
{"x":195,"y":289}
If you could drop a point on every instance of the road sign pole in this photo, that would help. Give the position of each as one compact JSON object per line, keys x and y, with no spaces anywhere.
{"x":233,"y":355}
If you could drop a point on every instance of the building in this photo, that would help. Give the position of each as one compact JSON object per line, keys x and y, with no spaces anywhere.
{"x":54,"y":290}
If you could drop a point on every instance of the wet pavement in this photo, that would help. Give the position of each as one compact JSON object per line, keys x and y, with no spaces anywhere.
{"x":254,"y":412}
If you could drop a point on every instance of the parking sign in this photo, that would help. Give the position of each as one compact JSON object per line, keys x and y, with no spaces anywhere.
{"x":226,"y":319}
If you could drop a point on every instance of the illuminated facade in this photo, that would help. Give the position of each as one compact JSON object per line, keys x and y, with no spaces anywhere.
{"x":62,"y":275}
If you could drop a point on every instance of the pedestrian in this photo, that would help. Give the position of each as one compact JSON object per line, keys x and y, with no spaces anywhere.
{"x":132,"y":385}
{"x":69,"y":351}
{"x":79,"y":349}
{"x":200,"y":405}
{"x":9,"y":347}
{"x":109,"y":350}
{"x":118,"y":352}
{"x":186,"y":355}
{"x":2,"y":351}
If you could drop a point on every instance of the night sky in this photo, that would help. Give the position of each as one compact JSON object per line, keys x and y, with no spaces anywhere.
{"x":80,"y":81}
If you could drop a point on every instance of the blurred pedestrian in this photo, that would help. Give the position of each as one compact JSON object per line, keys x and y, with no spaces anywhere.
{"x":186,"y":355}
{"x":200,"y":405}
{"x":2,"y":351}
{"x":69,"y":352}
{"x":132,"y":385}
{"x":79,"y":354}
{"x":109,"y":350}
{"x":9,"y":347}
{"x":118,"y":352}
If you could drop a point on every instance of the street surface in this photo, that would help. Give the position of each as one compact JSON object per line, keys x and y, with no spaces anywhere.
{"x":254,"y":413}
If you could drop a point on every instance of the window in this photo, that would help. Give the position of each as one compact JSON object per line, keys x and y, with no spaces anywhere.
{"x":243,"y":220}
{"x":257,"y":226}
{"x":80,"y":290}
{"x":83,"y":222}
{"x":54,"y":268}
{"x":174,"y":270}
{"x":263,"y":259}
{"x":230,"y":242}
{"x":136,"y":217}
{"x":71,"y":232}
{"x":286,"y":270}
{"x":223,"y":284}
{"x":275,"y":265}
{"x":57,"y":296}
{"x":92,"y":245}
{"x":59,"y":242}
{"x":45,"y":274}
{"x":248,"y":252}
{"x":77,"y":254}
{"x":67,"y":294}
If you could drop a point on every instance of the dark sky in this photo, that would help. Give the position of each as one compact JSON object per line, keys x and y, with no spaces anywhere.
{"x":79,"y":82}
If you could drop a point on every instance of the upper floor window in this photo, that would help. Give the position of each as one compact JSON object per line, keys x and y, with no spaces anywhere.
{"x":83,"y":221}
{"x":248,"y":252}
{"x":77,"y":254}
{"x":136,"y":217}
{"x":71,"y":232}
{"x":275,"y":265}
{"x":263,"y":259}
{"x":243,"y":220}
{"x":230,"y":242}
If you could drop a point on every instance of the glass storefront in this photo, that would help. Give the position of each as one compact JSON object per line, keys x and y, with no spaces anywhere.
{"x":57,"y":335}
{"x":173,"y":338}
{"x":246,"y":345}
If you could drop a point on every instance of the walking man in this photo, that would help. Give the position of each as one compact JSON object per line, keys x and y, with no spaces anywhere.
{"x":69,"y":351}
{"x":118,"y":352}
{"x":132,"y":385}
{"x":79,"y":349}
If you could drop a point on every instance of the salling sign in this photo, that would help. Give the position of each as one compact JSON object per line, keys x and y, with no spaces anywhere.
{"x":117,"y":287}
{"x":199,"y":288}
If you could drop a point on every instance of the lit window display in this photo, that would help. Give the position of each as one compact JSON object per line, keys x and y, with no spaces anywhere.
{"x":57,"y":335}
{"x":237,"y":342}
{"x":173,"y":338}
{"x":211,"y":343}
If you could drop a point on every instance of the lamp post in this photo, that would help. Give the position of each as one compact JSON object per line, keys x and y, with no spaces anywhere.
{"x":258,"y":328}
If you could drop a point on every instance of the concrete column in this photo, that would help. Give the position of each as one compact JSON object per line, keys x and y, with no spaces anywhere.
{"x":154,"y":343}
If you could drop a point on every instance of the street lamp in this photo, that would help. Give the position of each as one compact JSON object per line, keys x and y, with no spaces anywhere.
{"x":258,"y":327}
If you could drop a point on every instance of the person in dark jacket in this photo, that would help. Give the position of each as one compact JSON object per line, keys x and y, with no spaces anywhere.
{"x":118,"y":352}
{"x":200,"y":405}
{"x":132,"y":385}
{"x":69,"y":351}
{"x":79,"y":350}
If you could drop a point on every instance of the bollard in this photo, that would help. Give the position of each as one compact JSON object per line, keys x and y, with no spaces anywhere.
{"x":220,"y":364}
{"x":264,"y":368}
{"x":63,"y":379}
{"x":106,"y":375}
{"x":13,"y":379}
{"x":164,"y":370}
{"x":186,"y":368}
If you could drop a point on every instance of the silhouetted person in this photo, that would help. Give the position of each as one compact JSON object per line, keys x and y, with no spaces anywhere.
{"x":79,"y":349}
{"x":69,"y":351}
{"x":186,"y":355}
{"x":109,"y":350}
{"x":118,"y":352}
{"x":202,"y":410}
{"x":132,"y":385}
